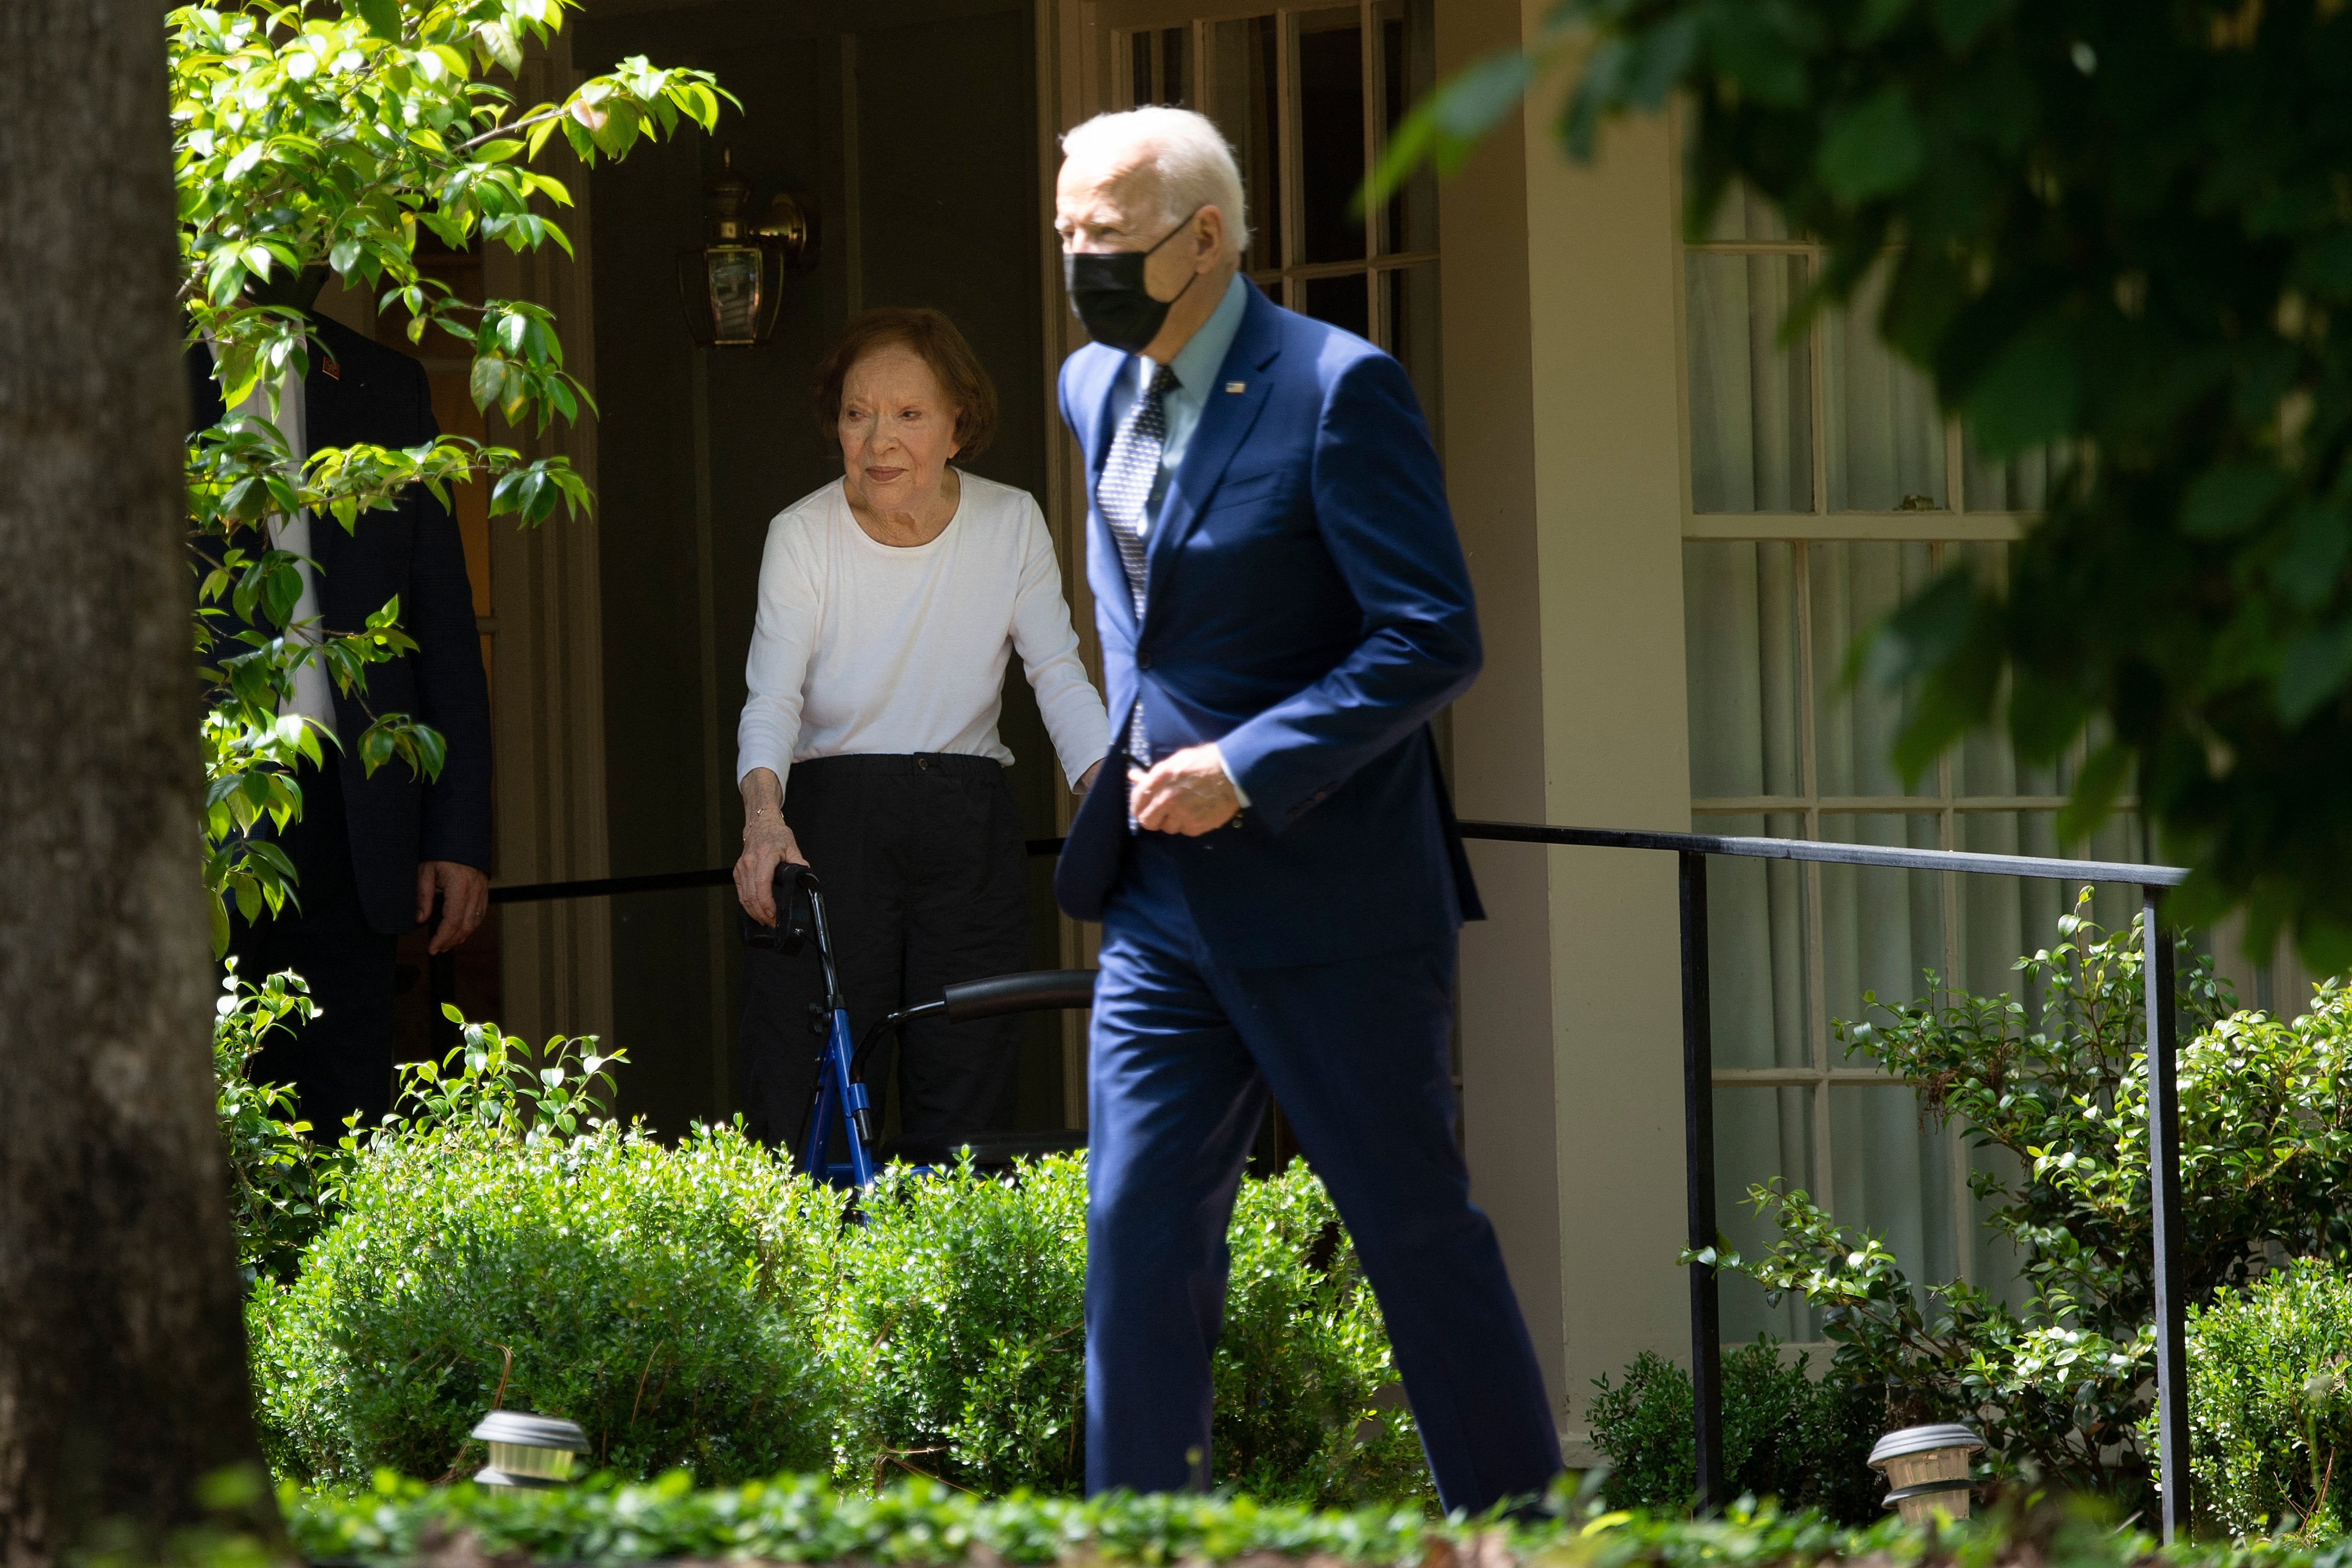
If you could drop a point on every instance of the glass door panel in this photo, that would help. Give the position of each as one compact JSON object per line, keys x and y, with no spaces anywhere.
{"x":1407,"y":320}
{"x":1339,"y":301}
{"x":1330,"y":97}
{"x":1245,"y":65}
{"x":1159,"y":67}
{"x":1405,"y":65}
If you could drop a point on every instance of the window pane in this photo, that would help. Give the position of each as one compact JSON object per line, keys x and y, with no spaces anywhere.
{"x":1175,"y":72}
{"x":1342,"y":302}
{"x":1892,"y":1177}
{"x":2095,"y":734}
{"x":1756,"y":949}
{"x":1409,"y":319}
{"x":1851,"y":585}
{"x":1408,"y":72}
{"x":1983,"y":763}
{"x":1882,"y":930}
{"x":2014,"y":484}
{"x":1243,"y":68}
{"x":1750,"y":396}
{"x":2003,"y":916}
{"x":2122,"y":837}
{"x":1140,"y":74}
{"x":1739,"y":639}
{"x":1330,"y":104}
{"x":1886,"y":439}
{"x":1744,"y":216}
{"x":1759,"y":1134}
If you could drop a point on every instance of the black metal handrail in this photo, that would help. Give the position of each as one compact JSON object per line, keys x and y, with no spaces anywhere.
{"x":1692,"y":851}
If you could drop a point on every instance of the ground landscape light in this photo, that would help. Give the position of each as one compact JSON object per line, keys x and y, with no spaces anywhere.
{"x":1927,"y":1470}
{"x":527,"y":1450}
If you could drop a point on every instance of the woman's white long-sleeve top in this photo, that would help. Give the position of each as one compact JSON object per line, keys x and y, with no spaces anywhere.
{"x":863,"y":648}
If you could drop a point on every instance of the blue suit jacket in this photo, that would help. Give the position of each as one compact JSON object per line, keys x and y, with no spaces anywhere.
{"x":1308,"y":610}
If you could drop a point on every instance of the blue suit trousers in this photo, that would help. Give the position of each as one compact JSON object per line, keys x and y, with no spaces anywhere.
{"x":1186,"y":1050}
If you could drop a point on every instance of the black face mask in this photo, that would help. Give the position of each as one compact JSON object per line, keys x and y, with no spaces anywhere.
{"x":1106,"y":293}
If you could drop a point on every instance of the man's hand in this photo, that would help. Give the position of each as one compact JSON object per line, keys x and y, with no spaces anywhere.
{"x":1186,"y":792}
{"x":464,"y":900}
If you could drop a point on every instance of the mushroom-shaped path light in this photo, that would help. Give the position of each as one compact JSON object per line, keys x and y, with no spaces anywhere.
{"x":528,"y":1450}
{"x":1927,"y":1470}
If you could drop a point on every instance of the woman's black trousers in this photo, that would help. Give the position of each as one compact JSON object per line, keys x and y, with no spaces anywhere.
{"x":924,"y":874}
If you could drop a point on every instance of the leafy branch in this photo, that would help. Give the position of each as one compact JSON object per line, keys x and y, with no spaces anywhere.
{"x":2048,"y":1089}
{"x":309,"y":144}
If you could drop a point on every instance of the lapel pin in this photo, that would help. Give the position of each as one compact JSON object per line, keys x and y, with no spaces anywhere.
{"x":1237,"y":386}
{"x":333,"y":369}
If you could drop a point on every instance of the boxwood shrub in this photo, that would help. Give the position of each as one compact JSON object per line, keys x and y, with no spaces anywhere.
{"x":1785,"y":1436}
{"x":662,"y":1296}
{"x":697,"y":1307}
{"x":2270,"y":1404}
{"x":961,"y":1343}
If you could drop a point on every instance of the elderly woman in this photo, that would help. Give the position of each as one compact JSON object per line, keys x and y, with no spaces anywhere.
{"x":890,"y":602}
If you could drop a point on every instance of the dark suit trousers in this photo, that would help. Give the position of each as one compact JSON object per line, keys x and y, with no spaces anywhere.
{"x":926,"y":881}
{"x":1186,"y":1049}
{"x":342,"y":1061}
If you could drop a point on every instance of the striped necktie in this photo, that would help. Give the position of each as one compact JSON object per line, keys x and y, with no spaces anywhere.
{"x":1128,"y":474}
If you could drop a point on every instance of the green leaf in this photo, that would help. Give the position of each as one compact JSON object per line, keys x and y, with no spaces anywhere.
{"x":1872,"y":149}
{"x":2315,"y":670}
{"x":2095,"y":789}
{"x":2310,"y":567}
{"x":382,"y":16}
{"x":1961,"y":21}
{"x":1879,"y":18}
{"x":2027,"y":396}
{"x":488,"y":381}
{"x":1445,"y":126}
{"x":2230,"y":498}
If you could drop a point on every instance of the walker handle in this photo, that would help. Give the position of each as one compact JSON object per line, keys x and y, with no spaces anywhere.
{"x":1033,"y":991}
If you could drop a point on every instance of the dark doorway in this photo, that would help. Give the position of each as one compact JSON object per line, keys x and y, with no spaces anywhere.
{"x":914,"y":126}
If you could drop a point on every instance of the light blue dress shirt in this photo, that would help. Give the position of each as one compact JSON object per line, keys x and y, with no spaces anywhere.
{"x":1196,"y":366}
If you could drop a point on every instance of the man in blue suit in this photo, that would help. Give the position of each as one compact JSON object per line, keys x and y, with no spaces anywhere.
{"x":1283,"y":606}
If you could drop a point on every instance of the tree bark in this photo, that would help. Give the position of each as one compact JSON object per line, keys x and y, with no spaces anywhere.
{"x":122,"y":1364}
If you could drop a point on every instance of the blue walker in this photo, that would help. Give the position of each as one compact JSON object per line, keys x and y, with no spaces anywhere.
{"x":840,"y":1095}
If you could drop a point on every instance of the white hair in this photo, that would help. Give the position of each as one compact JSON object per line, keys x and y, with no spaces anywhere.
{"x":1191,"y":163}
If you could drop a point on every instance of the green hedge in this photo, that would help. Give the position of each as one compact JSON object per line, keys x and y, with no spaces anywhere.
{"x":1785,"y":1436}
{"x":2269,"y":1410}
{"x":918,"y":1523}
{"x":697,"y":1306}
{"x":657,"y":1295}
{"x":800,"y":1520}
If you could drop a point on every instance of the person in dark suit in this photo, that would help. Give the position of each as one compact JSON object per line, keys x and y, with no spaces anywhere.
{"x":374,"y":853}
{"x":1284,"y":605}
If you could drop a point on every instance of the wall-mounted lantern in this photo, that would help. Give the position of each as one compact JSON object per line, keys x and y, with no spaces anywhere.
{"x":733,"y":283}
{"x":531,"y":1451}
{"x":1927,"y":1470}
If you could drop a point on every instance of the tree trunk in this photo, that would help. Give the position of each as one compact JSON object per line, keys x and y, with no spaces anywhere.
{"x":122,"y":1370}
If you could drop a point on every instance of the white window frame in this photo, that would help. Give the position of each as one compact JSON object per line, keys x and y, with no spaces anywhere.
{"x":1109,"y":84}
{"x":1938,"y":529}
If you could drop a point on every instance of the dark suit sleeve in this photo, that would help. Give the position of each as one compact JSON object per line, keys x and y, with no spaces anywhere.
{"x":453,"y":695}
{"x":205,"y":406}
{"x":1379,"y":503}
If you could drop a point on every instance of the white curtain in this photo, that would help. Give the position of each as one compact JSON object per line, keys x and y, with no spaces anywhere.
{"x":1749,"y":608}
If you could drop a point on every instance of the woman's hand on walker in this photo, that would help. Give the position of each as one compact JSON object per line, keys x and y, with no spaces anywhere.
{"x":767,"y":843}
